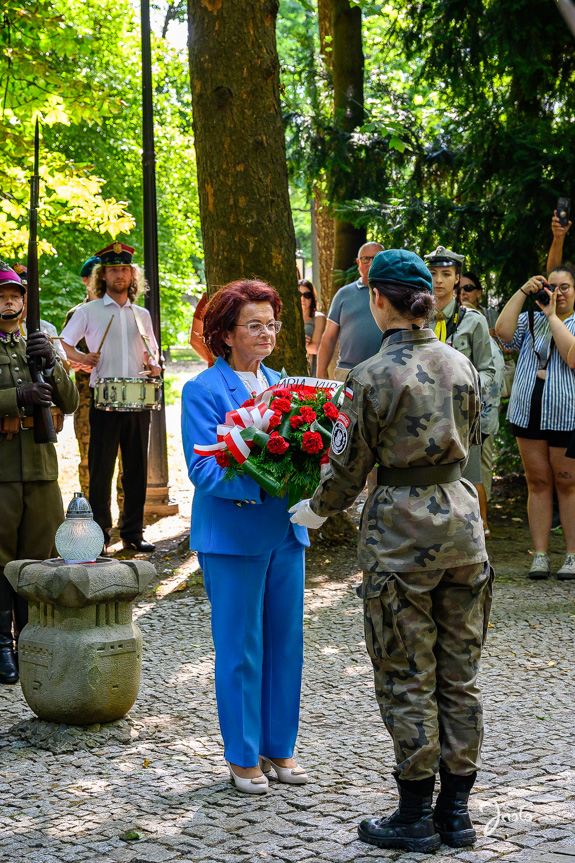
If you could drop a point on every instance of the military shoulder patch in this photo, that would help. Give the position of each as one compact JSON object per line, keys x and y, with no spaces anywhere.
{"x":349,"y":392}
{"x":339,"y":434}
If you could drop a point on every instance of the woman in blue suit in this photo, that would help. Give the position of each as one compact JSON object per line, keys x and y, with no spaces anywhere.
{"x":251,"y":555}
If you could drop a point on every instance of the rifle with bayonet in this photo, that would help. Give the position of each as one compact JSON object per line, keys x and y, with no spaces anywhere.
{"x":44,"y":431}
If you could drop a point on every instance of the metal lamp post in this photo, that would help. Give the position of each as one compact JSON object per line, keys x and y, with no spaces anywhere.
{"x":158,"y":503}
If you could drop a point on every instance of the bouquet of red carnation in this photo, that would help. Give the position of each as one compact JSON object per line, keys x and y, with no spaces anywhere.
{"x":281,"y":438}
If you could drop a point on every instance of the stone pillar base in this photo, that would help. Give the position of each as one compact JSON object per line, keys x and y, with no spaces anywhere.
{"x":158,"y":503}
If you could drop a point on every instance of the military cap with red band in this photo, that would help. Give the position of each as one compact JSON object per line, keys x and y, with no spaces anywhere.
{"x":116,"y":255}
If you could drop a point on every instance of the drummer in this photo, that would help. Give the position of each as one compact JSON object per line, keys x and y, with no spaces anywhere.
{"x":121,"y":344}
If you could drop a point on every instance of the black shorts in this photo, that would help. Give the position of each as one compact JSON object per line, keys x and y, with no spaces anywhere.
{"x":534,"y":431}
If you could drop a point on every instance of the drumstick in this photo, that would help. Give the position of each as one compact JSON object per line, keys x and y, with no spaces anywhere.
{"x":105,"y":334}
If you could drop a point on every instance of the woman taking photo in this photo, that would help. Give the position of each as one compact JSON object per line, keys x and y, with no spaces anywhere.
{"x":251,"y":556}
{"x":542,"y":406}
{"x":313,"y":321}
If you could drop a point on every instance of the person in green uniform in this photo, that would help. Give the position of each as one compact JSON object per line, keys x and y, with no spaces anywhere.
{"x":464,"y":328}
{"x":30,"y":501}
{"x":413,"y":409}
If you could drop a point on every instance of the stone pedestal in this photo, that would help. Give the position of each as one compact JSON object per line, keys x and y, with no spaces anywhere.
{"x":80,"y":654}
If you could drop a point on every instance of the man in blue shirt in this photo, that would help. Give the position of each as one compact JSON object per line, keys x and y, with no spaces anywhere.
{"x":350,"y":319}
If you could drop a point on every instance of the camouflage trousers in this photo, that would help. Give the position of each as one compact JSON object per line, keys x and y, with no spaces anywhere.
{"x":424,"y":632}
{"x":82,"y":432}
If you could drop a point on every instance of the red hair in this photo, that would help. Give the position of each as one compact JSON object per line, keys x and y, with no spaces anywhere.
{"x":223,"y":310}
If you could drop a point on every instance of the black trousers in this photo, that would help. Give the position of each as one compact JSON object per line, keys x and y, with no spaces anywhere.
{"x":130,"y":432}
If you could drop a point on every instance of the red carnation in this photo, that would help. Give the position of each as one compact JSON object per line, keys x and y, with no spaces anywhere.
{"x":277,"y":445}
{"x":296,"y":421}
{"x":281,"y":405}
{"x":312,"y":442}
{"x":274,"y":421}
{"x":223,"y":458}
{"x":330,"y":410}
{"x":308,"y":414}
{"x":249,"y":403}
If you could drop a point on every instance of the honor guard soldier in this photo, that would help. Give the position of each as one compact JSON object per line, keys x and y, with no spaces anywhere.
{"x":122,"y":351}
{"x":30,"y":501}
{"x":413,"y":409}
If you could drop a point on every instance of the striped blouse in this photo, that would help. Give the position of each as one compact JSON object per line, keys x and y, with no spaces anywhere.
{"x":558,"y":406}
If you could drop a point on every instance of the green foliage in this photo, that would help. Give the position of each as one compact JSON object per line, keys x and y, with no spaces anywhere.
{"x":468,"y":138}
{"x":507,"y":458}
{"x":45,"y":65}
{"x":77,"y":64}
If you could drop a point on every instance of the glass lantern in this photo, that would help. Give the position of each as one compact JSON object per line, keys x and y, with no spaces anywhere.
{"x":79,"y":539}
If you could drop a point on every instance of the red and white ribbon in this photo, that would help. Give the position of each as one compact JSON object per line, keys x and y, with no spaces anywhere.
{"x":229,"y":437}
{"x":303,"y":386}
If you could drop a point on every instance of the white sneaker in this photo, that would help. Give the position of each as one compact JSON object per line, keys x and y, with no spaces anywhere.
{"x":568,"y":568}
{"x":540,"y":566}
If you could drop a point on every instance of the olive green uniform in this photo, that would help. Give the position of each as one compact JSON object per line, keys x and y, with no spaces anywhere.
{"x":471,"y":338}
{"x":427,"y":582}
{"x":30,"y":501}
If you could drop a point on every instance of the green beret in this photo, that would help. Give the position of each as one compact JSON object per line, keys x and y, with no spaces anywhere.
{"x":88,"y":266}
{"x":401,"y":267}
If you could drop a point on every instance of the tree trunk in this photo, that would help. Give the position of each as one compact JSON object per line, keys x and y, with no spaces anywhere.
{"x":347,"y":71}
{"x":324,"y":227}
{"x":247,"y":226}
{"x":324,"y":221}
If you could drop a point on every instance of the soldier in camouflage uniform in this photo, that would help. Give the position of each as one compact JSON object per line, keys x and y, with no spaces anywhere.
{"x":413,"y":409}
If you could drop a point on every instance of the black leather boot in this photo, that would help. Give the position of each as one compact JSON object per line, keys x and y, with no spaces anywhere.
{"x":411,"y":827}
{"x":451,"y":814}
{"x":8,"y":669}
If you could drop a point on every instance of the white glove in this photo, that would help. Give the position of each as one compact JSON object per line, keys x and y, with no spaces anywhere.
{"x":303,"y":514}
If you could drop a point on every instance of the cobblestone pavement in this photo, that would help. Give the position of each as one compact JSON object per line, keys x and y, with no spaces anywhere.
{"x":168,"y":784}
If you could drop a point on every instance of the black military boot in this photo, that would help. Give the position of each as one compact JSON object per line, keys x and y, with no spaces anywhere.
{"x":451,"y":814}
{"x":411,"y":827}
{"x":8,"y":669}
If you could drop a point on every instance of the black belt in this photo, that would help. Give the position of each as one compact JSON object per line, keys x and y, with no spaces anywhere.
{"x":432,"y":474}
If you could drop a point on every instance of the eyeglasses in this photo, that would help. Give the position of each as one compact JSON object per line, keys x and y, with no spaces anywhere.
{"x":307,"y":295}
{"x":255,"y":329}
{"x":470,"y":288}
{"x":367,"y":259}
{"x":564,"y":289}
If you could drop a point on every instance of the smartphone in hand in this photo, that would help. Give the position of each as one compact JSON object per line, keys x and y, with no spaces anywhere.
{"x":563,"y":211}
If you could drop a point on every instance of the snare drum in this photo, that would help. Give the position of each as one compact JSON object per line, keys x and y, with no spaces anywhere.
{"x":128,"y":394}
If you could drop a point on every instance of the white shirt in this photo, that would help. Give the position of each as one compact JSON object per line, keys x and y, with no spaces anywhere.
{"x":252,"y":383}
{"x":122,"y":354}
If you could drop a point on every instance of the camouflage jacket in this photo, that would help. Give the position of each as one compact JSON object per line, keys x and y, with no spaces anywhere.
{"x":415,"y":403}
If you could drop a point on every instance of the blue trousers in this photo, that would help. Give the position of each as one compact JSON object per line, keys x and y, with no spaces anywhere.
{"x":257,"y":627}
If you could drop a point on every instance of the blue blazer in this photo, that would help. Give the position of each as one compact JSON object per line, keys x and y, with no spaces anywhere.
{"x":219,"y":525}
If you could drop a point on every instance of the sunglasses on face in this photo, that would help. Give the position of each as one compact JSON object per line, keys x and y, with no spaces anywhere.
{"x":470,"y":288}
{"x":307,"y":295}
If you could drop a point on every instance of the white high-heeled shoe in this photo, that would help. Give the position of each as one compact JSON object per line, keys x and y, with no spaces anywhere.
{"x":256,"y":785}
{"x":290,"y":775}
